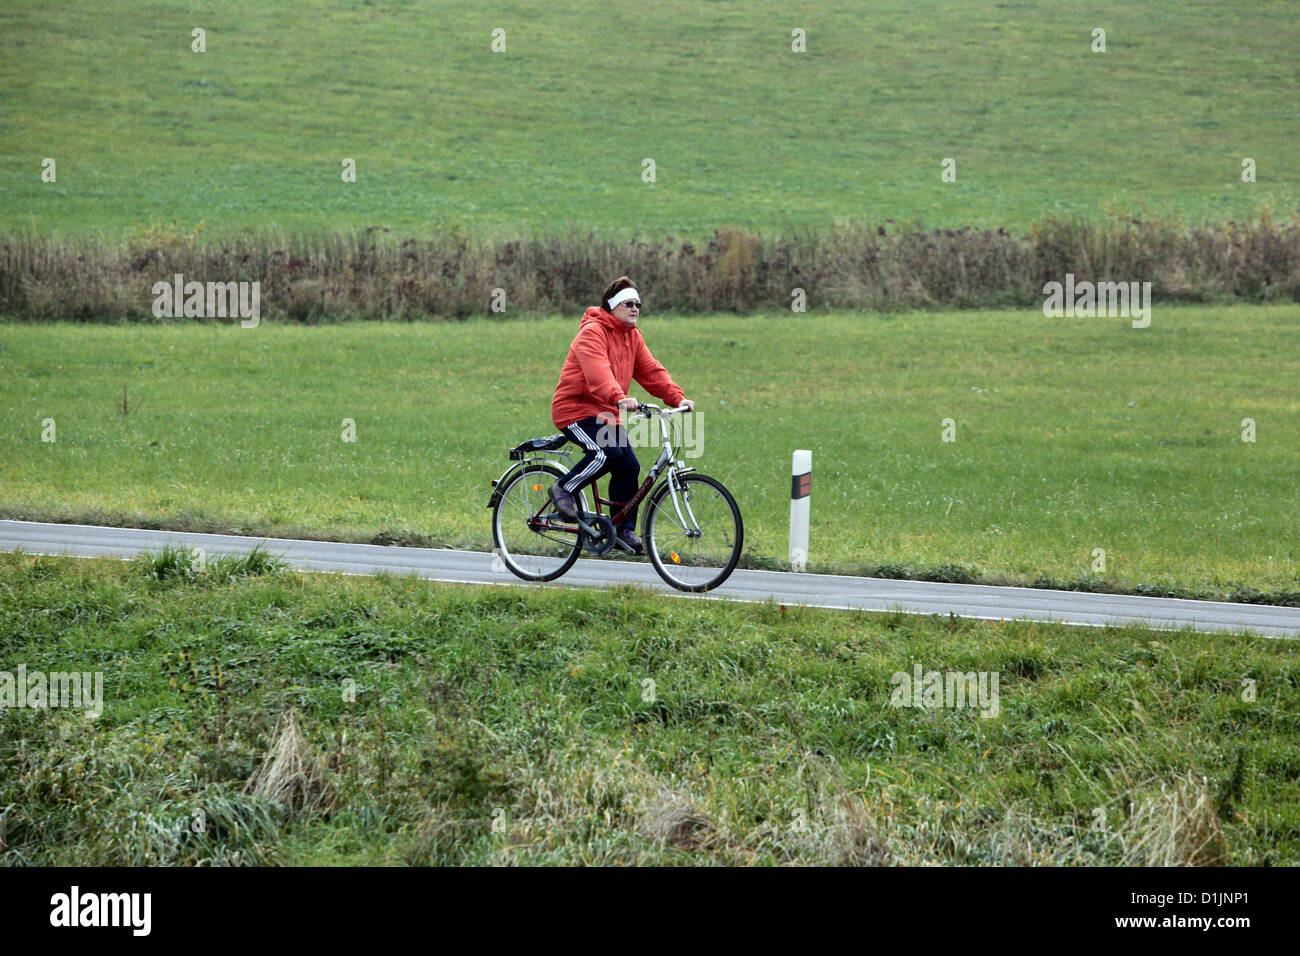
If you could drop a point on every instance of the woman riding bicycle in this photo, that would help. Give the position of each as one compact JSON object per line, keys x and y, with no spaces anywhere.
{"x":604,"y":358}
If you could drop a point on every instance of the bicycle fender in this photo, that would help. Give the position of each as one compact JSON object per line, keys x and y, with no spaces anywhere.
{"x":500,"y":483}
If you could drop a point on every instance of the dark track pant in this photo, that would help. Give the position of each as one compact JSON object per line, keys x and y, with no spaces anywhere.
{"x":607,"y":452}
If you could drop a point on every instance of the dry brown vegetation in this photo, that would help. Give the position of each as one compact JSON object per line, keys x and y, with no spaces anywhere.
{"x":373,"y":275}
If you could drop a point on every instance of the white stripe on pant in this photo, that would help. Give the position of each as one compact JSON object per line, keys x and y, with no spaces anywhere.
{"x":597,"y":463}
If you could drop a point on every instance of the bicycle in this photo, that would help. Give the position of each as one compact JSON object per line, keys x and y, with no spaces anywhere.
{"x":692,"y":529}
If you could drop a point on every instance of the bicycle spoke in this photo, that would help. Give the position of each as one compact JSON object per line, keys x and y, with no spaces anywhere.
{"x":698,"y":555}
{"x":531,"y":553}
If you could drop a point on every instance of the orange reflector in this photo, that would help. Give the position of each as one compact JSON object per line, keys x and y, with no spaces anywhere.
{"x":673,"y":555}
{"x":537,"y":487}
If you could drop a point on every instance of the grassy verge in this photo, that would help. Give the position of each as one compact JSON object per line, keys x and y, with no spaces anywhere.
{"x":253,"y":716}
{"x":1072,"y":436}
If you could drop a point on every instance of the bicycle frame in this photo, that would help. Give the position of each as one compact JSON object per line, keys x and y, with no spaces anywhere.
{"x":666,"y":464}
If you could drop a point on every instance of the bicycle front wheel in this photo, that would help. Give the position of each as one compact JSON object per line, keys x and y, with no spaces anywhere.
{"x":531,"y":552}
{"x":694,"y":537}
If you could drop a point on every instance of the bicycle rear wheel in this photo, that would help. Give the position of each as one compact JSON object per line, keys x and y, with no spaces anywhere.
{"x":694,"y":543}
{"x":532,"y":552}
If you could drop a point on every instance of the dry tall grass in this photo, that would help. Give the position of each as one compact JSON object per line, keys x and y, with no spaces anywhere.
{"x":372,"y":275}
{"x":292,"y":775}
{"x":609,"y":808}
{"x":1178,"y":826}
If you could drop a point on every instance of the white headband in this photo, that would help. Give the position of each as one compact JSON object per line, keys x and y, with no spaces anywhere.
{"x":628,"y":293}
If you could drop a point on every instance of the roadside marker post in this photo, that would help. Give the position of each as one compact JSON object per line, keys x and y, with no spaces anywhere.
{"x":800,"y":491}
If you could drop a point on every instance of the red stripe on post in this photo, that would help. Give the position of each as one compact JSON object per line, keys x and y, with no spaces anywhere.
{"x":801,"y":485}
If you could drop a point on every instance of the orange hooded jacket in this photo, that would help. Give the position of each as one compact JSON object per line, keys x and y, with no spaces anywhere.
{"x":603,"y":359}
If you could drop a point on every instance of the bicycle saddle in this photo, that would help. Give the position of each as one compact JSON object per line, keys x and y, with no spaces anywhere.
{"x":549,"y":443}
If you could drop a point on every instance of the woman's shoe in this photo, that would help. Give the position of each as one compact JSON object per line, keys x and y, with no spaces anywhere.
{"x":628,"y":537}
{"x":564,"y":503}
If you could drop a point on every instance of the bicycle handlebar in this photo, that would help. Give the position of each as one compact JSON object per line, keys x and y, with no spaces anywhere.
{"x":645,"y":408}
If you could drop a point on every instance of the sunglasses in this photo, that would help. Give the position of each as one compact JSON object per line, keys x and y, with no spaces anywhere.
{"x":632,"y":304}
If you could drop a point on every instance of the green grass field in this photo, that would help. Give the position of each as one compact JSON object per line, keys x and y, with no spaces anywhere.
{"x":504,"y":725}
{"x":1071,"y":435}
{"x":552,"y":133}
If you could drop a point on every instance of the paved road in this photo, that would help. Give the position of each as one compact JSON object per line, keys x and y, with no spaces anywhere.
{"x":818,"y":590}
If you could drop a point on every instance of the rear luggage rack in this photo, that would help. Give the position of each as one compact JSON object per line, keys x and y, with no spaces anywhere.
{"x":549,"y":443}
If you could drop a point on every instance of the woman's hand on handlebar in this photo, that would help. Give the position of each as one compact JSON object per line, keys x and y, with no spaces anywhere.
{"x":632,"y":405}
